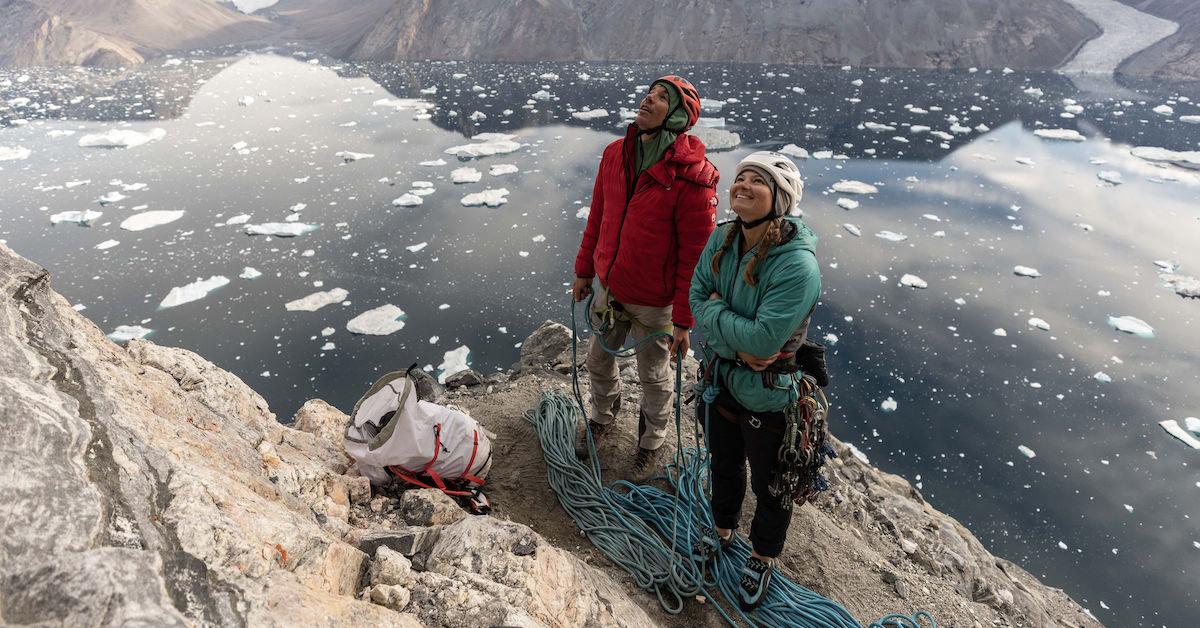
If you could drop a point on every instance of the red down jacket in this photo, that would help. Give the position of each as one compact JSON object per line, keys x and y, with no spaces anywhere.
{"x":644,"y":247}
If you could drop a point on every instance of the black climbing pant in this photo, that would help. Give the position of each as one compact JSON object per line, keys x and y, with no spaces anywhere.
{"x":755,"y":436}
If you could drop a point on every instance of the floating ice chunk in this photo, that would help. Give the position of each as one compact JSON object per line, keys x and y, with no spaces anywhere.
{"x":711,"y":106}
{"x":542,"y":95}
{"x":933,"y":217}
{"x":854,"y":187}
{"x":1028,"y":454}
{"x":13,"y":153}
{"x":193,"y":291}
{"x":891,"y":236}
{"x":490,"y":197}
{"x":716,"y":139}
{"x":877,"y":127}
{"x":539,"y":238}
{"x":831,"y":339}
{"x":794,"y":151}
{"x":889,"y":405}
{"x":250,"y":272}
{"x":486,"y":144}
{"x":379,"y":321}
{"x":1066,"y":135}
{"x":1033,"y":91}
{"x":350,"y":156}
{"x":401,"y":104}
{"x":1183,"y":159}
{"x":329,"y":346}
{"x":75,"y":184}
{"x":121,"y":138}
{"x":280,"y":229}
{"x":145,"y":220}
{"x":919,"y":128}
{"x":590,"y":114}
{"x":111,"y":197}
{"x":452,"y":362}
{"x":245,"y":101}
{"x":583,"y":212}
{"x":1025,"y":271}
{"x":1187,"y":434}
{"x":823,"y":154}
{"x":1110,"y":176}
{"x":1188,"y":287}
{"x":853,"y":229}
{"x":999,"y":331}
{"x":1190,"y":119}
{"x":107,"y":244}
{"x":328,"y":331}
{"x":1131,"y":325}
{"x":503,"y":169}
{"x":407,"y":200}
{"x":477,"y":116}
{"x":913,"y":281}
{"x":1026,"y":161}
{"x":1168,"y":265}
{"x":125,"y":333}
{"x":1039,"y":323}
{"x":847,"y":203}
{"x":80,"y":217}
{"x":1102,"y":377}
{"x":434,"y":162}
{"x":465,"y":175}
{"x":416,"y":248}
{"x":317,"y":300}
{"x":240,"y":219}
{"x":1164,"y":110}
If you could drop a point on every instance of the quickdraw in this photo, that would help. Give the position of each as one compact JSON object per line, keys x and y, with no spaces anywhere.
{"x":798,"y":478}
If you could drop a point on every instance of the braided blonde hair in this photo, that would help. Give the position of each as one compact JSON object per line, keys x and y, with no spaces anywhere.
{"x":769,"y":239}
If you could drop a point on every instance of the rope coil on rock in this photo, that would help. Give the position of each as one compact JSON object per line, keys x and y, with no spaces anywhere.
{"x":649,"y":532}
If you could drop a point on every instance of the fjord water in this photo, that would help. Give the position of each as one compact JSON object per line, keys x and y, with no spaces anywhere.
{"x":1107,"y":507}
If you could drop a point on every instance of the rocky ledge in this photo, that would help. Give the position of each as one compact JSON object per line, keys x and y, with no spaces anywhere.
{"x":143,"y":485}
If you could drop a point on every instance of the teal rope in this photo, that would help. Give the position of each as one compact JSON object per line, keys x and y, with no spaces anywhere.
{"x":649,"y":532}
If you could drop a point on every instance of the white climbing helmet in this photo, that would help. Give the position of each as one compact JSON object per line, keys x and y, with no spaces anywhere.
{"x":787,"y":186}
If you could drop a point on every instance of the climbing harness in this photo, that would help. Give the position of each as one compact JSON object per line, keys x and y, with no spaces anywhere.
{"x":652,"y":533}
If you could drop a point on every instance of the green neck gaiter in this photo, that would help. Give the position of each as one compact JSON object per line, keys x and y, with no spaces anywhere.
{"x":651,"y":151}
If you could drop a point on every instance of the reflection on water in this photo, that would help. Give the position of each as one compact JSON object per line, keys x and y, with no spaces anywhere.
{"x":974,"y":195}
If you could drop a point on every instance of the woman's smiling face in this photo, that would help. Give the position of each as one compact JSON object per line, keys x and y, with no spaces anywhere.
{"x":750,"y":195}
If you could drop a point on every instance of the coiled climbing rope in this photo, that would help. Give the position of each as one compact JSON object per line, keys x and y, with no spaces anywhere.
{"x":649,"y":532}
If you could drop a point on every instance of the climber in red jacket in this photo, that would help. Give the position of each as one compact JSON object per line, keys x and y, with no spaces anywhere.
{"x":653,"y":207}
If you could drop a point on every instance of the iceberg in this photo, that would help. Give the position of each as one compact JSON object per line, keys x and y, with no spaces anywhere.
{"x":913,"y":281}
{"x":1066,"y":135}
{"x":1110,"y":176}
{"x":401,"y":104}
{"x":891,"y":236}
{"x":125,"y":333}
{"x":407,"y":200}
{"x":240,"y":219}
{"x":889,"y":405}
{"x":847,"y":203}
{"x":1025,"y":271}
{"x":854,"y":187}
{"x":853,"y":229}
{"x":716,"y":139}
{"x":107,"y":244}
{"x":416,"y":248}
{"x":486,"y":144}
{"x":503,"y":169}
{"x":317,"y":300}
{"x":379,"y":321}
{"x":13,"y":153}
{"x":1183,"y":159}
{"x":121,"y":138}
{"x":280,"y":229}
{"x":1190,"y":119}
{"x":1026,"y":451}
{"x":1131,"y":325}
{"x":452,"y":362}
{"x":81,"y":217}
{"x":351,"y":156}
{"x":1039,"y":324}
{"x":490,"y":197}
{"x":590,"y":114}
{"x":111,"y":197}
{"x":193,"y":291}
{"x":1187,"y":287}
{"x":792,"y":150}
{"x":465,"y":175}
{"x":1102,"y":377}
{"x":1187,"y":433}
{"x":249,"y":272}
{"x":145,"y":220}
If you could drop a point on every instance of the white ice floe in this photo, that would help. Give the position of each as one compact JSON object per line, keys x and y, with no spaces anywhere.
{"x":503,"y":169}
{"x":379,"y":321}
{"x":831,"y":339}
{"x":486,"y":144}
{"x":1167,"y":265}
{"x":250,"y":272}
{"x":416,"y":248}
{"x":452,"y":362}
{"x":1190,"y":119}
{"x":329,"y":346}
{"x":245,"y":101}
{"x":111,"y":197}
{"x":465,"y":175}
{"x":709,"y":105}
{"x":913,"y":281}
{"x":889,"y":405}
{"x":847,"y":203}
{"x":328,"y":331}
{"x":1025,"y":271}
{"x":351,"y":156}
{"x":542,"y":95}
{"x":854,"y":187}
{"x":13,"y":153}
{"x":1110,"y":176}
{"x":240,"y":219}
{"x":1102,"y":377}
{"x":78,"y":217}
{"x":401,"y":104}
{"x":716,"y":139}
{"x":407,"y":200}
{"x":121,"y":138}
{"x":853,"y":229}
{"x":317,"y":300}
{"x":433,"y":163}
{"x":1066,"y":135}
{"x":877,"y":127}
{"x":1183,"y":159}
{"x":1184,"y":286}
{"x":792,"y":150}
{"x":280,"y":229}
{"x":1131,"y":325}
{"x":1039,"y":324}
{"x":1164,"y":110}
{"x":193,"y":291}
{"x":107,"y":244}
{"x":1188,"y":433}
{"x":590,"y":114}
{"x":490,"y":197}
{"x":999,"y":331}
{"x":125,"y":333}
{"x":891,"y":236}
{"x":146,"y":220}
{"x":1026,"y":451}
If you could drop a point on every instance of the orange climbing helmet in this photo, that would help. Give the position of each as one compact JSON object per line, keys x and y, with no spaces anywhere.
{"x":689,"y":99}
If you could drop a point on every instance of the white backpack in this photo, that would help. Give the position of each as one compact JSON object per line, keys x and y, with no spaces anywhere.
{"x":392,"y":434}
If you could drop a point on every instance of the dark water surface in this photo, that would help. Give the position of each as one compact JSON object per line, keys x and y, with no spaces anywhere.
{"x":1107,"y":508}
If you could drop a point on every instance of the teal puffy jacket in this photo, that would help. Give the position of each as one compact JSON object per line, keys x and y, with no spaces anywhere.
{"x":759,"y":319}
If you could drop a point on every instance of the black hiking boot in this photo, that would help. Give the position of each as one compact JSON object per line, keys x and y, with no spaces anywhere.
{"x":646,"y":463}
{"x":756,"y":579}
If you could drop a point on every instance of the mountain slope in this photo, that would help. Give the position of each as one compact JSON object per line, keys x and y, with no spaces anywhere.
{"x":1177,"y":56}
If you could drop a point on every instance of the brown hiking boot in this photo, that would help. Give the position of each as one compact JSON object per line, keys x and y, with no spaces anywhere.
{"x":598,"y":432}
{"x":646,"y":463}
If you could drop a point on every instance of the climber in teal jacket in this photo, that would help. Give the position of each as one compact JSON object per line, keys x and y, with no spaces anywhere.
{"x":752,"y":292}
